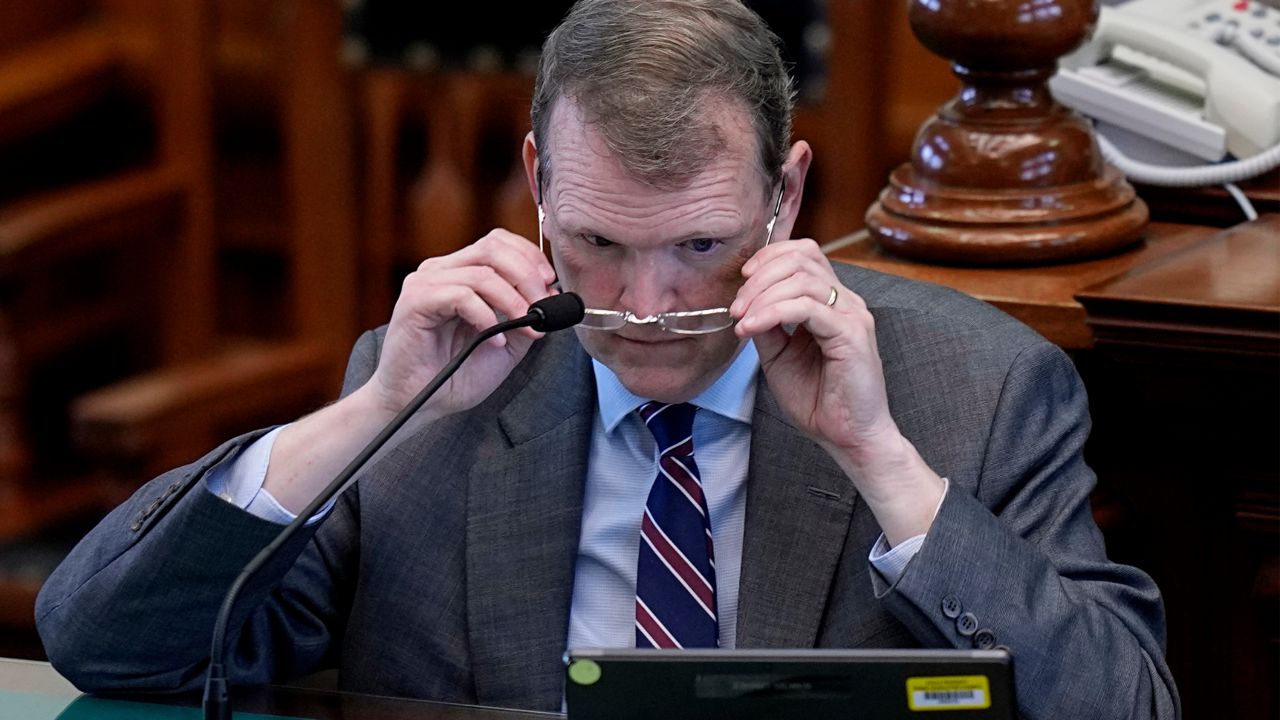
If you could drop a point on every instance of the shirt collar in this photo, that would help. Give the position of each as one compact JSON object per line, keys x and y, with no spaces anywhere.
{"x":732,"y":395}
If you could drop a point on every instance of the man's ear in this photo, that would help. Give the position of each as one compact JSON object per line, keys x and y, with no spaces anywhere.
{"x":530,"y":154}
{"x":794,"y":171}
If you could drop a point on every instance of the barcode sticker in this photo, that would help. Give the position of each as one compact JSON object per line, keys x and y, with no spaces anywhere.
{"x":956,"y":692}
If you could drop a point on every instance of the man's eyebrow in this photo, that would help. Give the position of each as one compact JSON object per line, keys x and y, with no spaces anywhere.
{"x":704,"y":232}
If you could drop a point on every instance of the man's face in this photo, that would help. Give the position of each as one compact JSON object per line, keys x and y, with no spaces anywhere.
{"x":624,"y":245}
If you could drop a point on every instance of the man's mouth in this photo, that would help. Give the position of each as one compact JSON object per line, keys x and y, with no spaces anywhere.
{"x":652,"y":339}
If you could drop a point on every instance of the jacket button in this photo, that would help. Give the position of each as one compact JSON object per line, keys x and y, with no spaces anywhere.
{"x":173,"y":488}
{"x":967,"y":624}
{"x":984,"y":639}
{"x":951,"y":607}
{"x":136,"y":526}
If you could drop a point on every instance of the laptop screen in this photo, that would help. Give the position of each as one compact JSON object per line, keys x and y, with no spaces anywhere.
{"x":770,"y":684}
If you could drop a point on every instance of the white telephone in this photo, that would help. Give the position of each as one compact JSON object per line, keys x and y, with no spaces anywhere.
{"x":1180,"y":81}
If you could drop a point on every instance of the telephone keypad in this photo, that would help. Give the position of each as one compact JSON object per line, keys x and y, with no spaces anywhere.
{"x":1249,"y":27}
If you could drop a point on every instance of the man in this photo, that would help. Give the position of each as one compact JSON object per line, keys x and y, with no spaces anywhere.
{"x":805,"y":506}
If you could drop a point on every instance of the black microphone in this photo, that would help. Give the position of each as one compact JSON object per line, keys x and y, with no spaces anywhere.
{"x":549,"y":314}
{"x":557,"y":312}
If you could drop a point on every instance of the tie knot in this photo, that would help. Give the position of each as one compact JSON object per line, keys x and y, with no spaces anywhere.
{"x":671,"y":425}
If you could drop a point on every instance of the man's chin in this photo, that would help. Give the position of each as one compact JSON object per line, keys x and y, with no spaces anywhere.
{"x":667,"y":370}
{"x":664,"y":385}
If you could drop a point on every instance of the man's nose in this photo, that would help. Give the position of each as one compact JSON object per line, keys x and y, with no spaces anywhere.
{"x":648,"y":287}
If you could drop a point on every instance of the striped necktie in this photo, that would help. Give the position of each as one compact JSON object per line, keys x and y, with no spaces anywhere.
{"x":676,"y":574}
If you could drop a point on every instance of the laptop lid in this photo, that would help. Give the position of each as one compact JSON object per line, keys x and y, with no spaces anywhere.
{"x":771,"y":684}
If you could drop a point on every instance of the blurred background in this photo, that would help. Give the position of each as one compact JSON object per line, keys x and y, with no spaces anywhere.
{"x":203,"y":202}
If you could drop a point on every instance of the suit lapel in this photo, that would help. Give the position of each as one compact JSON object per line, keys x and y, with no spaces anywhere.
{"x":524,"y":513}
{"x":799,"y":504}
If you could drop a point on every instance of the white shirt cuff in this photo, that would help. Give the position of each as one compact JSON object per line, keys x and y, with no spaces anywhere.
{"x":240,"y":483}
{"x":892,"y":562}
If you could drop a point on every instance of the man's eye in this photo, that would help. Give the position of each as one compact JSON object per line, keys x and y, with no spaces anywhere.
{"x":702,"y":245}
{"x":597,"y":241}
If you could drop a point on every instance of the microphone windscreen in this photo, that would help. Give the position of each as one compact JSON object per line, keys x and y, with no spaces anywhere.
{"x":558,"y":312}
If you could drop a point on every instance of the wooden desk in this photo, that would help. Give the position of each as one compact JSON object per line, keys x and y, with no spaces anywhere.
{"x":1219,"y":295}
{"x":1178,"y":342}
{"x":1193,"y":346}
{"x":1043,"y":297}
{"x":35,"y":691}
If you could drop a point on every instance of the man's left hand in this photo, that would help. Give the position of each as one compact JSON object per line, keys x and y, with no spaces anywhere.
{"x":827,"y":376}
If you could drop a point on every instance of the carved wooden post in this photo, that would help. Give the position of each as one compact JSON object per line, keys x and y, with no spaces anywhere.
{"x":1002,"y":173}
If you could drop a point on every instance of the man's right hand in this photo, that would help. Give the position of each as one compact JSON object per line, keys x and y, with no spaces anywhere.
{"x":442,"y":306}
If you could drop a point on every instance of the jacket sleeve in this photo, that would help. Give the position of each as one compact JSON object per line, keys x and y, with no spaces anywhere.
{"x":132,"y":606}
{"x":1015,"y":559}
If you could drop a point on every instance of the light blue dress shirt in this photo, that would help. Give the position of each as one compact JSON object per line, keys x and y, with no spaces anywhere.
{"x":622,"y":467}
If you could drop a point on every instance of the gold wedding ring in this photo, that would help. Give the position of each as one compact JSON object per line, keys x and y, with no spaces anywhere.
{"x":831,"y":299}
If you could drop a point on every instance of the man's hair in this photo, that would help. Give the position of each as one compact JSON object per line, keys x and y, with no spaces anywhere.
{"x":648,"y":74}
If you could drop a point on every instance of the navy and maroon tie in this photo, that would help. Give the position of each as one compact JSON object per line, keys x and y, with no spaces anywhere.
{"x":676,"y":574}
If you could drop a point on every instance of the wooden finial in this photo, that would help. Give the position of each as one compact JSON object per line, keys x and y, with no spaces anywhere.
{"x":1002,"y":173}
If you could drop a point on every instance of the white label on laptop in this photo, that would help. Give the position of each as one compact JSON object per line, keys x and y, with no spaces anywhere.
{"x":954,"y":692}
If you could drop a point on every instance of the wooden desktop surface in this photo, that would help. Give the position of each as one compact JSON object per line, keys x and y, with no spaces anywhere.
{"x":42,"y":691}
{"x":1220,"y":295}
{"x":1192,"y":287}
{"x":1045,"y":296}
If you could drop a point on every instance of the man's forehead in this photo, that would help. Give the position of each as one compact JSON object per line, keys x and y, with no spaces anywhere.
{"x":579,"y":144}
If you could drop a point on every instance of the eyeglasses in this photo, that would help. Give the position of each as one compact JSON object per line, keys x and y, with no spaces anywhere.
{"x":688,"y":322}
{"x":692,"y":322}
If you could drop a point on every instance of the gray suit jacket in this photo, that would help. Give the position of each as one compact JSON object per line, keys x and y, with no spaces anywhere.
{"x":447,"y":571}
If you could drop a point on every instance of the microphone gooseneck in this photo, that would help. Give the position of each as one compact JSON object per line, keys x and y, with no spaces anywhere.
{"x":549,"y":314}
